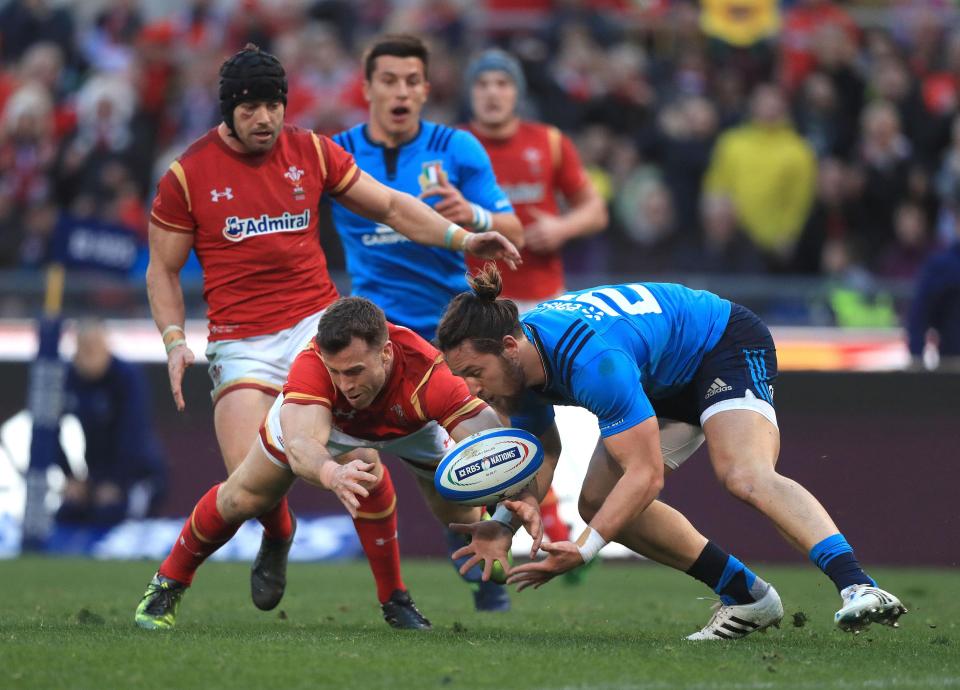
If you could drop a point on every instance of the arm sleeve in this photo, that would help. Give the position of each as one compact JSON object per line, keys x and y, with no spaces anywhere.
{"x":308,"y":382}
{"x":478,"y":183}
{"x":570,"y":175}
{"x":172,"y":209}
{"x":447,"y":399}
{"x":340,"y":170}
{"x":609,"y":386}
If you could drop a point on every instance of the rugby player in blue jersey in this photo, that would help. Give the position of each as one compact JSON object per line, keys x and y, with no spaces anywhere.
{"x":447,"y":168}
{"x":637,"y":355}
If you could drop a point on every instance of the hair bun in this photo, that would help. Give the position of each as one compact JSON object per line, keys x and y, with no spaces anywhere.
{"x":486,"y":282}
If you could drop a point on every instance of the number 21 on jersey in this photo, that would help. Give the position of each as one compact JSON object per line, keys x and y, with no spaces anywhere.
{"x":618,"y":300}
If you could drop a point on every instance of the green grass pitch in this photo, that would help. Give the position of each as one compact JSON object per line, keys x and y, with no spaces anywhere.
{"x":69,"y":624}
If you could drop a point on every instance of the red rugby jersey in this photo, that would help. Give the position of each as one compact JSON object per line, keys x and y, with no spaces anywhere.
{"x":420,"y":388}
{"x":532,"y":166}
{"x":254,"y":222}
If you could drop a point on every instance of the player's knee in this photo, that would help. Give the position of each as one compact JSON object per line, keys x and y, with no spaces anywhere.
{"x":745,"y":482}
{"x":238,"y":504}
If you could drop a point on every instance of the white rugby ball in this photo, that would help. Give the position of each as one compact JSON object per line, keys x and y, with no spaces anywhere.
{"x":488,"y":466}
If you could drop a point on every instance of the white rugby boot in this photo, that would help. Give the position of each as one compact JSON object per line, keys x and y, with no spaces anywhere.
{"x":866,"y":604}
{"x":739,"y":620}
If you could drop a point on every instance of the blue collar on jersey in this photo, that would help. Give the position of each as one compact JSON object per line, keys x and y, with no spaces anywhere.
{"x":531,"y":333}
{"x":366,"y":135}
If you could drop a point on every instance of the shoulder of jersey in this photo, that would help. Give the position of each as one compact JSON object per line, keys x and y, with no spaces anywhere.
{"x":199,"y":145}
{"x":437,"y":137}
{"x":350,"y":139}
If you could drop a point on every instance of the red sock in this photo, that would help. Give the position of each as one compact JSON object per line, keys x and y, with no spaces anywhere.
{"x":277,"y":524}
{"x":376,"y":525}
{"x":555,"y":528}
{"x":204,"y":532}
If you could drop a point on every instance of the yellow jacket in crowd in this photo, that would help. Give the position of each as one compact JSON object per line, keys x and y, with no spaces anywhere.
{"x":770,"y":173}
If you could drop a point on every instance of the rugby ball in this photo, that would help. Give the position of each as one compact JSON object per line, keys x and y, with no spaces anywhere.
{"x":488,"y":466}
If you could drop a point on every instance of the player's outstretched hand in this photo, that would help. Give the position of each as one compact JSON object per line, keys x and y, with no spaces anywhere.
{"x":526,"y":507}
{"x":178,"y":359}
{"x":493,"y":245}
{"x":489,"y":542}
{"x":562,"y":556}
{"x":347,"y":482}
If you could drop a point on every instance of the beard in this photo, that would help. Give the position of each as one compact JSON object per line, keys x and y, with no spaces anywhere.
{"x":516,"y":382}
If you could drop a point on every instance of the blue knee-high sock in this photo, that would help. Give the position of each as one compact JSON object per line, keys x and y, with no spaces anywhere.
{"x":834,"y":556}
{"x":727,"y":576}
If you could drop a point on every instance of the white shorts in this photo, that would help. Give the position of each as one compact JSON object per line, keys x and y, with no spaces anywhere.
{"x":260,"y":362}
{"x":678,"y":441}
{"x":422,"y":450}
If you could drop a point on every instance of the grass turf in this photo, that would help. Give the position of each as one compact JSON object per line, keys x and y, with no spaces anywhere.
{"x":69,"y":624}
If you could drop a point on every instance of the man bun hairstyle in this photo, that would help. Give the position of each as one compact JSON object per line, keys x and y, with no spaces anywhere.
{"x":250,"y":75}
{"x":349,"y":318}
{"x":396,"y":45}
{"x":478,"y":316}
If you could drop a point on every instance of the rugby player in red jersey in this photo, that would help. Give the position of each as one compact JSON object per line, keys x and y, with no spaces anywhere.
{"x":244,"y":197}
{"x":535,"y":164}
{"x":362,"y":384}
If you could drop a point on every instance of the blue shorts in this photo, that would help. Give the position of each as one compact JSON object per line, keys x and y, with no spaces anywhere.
{"x":738,"y":373}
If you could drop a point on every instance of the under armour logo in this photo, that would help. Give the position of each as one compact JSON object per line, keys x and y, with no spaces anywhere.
{"x":227,"y":194}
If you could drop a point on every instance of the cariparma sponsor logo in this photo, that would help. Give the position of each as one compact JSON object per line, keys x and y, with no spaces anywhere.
{"x":468,"y":473}
{"x":239,"y":229}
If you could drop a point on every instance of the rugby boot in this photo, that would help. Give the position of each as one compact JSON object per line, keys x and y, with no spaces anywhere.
{"x":400,"y":612}
{"x":866,"y":604}
{"x":731,"y":622}
{"x":158,"y":606}
{"x":268,"y":576}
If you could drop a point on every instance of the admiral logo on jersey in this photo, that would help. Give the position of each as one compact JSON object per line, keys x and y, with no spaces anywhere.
{"x":239,"y":229}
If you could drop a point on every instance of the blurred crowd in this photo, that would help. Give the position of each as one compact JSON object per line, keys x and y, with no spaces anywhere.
{"x":810,"y":137}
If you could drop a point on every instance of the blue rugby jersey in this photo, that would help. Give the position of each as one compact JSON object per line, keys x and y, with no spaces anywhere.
{"x":610,"y":349}
{"x":413,"y":283}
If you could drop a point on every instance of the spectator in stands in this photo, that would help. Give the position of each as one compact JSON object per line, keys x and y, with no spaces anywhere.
{"x":820,"y":118}
{"x":935,"y":311}
{"x":833,"y":216}
{"x":126,"y":473}
{"x":27,"y":155}
{"x":721,"y":246}
{"x":104,"y":137}
{"x":646,"y":219}
{"x":911,"y":245}
{"x":685,"y":137}
{"x":885,"y":158}
{"x":800,"y":28}
{"x":25,"y":22}
{"x":769,"y":172}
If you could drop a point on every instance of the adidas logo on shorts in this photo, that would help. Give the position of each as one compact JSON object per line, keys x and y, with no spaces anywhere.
{"x":718,"y":386}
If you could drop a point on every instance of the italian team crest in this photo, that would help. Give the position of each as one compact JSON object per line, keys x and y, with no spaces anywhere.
{"x":432,"y":175}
